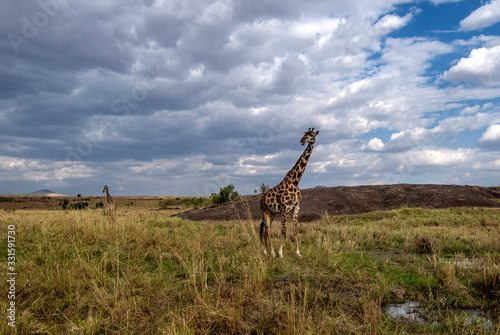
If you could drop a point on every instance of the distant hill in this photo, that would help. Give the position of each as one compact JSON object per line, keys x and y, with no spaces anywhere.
{"x":44,"y":191}
{"x":40,"y":193}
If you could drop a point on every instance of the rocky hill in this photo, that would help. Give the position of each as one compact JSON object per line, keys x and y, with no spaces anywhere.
{"x":321,"y":201}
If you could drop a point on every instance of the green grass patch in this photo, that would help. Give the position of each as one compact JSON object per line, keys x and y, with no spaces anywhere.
{"x":146,"y":272}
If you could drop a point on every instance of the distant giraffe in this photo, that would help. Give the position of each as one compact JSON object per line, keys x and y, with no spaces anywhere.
{"x":285,"y":198}
{"x":110,"y":203}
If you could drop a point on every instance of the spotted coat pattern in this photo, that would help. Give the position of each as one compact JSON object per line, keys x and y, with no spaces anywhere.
{"x":285,"y":198}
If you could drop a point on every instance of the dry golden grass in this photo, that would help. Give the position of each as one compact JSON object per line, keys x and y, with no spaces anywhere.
{"x":148,"y":273}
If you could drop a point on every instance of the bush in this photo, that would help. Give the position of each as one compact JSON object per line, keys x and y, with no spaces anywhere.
{"x":64,"y":203}
{"x":186,"y":202}
{"x":195,"y":202}
{"x":78,"y":205}
{"x":226,"y":194}
{"x":99,"y":205}
{"x":163,"y":203}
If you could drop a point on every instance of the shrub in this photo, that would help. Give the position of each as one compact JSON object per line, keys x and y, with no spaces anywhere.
{"x":186,"y":202}
{"x":64,"y":203}
{"x":263,"y":188}
{"x":163,"y":203}
{"x":78,"y":205}
{"x":99,"y":205}
{"x":195,"y":202}
{"x":226,"y":194}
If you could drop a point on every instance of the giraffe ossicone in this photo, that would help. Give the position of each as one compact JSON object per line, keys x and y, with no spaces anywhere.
{"x":285,"y":198}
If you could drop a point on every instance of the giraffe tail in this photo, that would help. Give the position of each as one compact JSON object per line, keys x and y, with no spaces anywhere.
{"x":262,"y":229}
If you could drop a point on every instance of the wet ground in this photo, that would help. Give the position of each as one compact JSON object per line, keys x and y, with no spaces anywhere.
{"x":413,"y":312}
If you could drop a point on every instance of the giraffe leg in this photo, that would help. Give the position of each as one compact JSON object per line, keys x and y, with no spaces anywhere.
{"x":263,"y":236}
{"x":268,"y":233}
{"x":268,"y":228}
{"x":295,"y":215}
{"x":264,"y":231}
{"x":267,"y":219}
{"x":284,"y":216}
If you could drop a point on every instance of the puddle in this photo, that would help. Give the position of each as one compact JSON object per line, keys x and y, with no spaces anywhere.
{"x":475,"y":316}
{"x":411,"y":311}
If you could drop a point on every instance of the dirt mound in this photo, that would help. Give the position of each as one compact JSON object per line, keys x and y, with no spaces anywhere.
{"x":321,"y":201}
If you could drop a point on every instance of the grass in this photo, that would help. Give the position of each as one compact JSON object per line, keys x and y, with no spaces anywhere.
{"x":148,"y":273}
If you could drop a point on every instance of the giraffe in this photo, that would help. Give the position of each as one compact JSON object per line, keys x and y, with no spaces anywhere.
{"x":285,"y":198}
{"x":110,"y":203}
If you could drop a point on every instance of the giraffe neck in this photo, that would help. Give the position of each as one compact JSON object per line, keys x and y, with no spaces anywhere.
{"x":108,"y":197}
{"x":293,"y":176}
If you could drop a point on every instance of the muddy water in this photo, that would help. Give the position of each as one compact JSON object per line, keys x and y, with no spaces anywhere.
{"x":411,"y":311}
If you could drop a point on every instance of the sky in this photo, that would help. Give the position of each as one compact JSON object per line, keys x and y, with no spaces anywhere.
{"x":178,"y":97}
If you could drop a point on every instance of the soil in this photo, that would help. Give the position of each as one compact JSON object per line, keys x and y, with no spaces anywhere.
{"x":321,"y":201}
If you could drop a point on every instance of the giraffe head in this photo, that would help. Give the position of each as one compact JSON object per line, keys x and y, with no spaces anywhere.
{"x":105,"y":189}
{"x":309,"y":137}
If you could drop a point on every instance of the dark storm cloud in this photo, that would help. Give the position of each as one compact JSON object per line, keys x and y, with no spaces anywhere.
{"x":184,"y":96}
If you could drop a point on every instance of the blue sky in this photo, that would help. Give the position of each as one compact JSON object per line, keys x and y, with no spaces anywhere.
{"x":161,"y":97}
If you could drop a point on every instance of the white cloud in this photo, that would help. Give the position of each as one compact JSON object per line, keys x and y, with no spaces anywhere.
{"x":211,"y":94}
{"x":427,"y":164}
{"x":439,"y":156}
{"x":483,"y":17}
{"x":156,"y":166}
{"x":491,"y":137}
{"x":413,"y":54}
{"x":13,"y":163}
{"x":474,"y":109}
{"x":481,"y":67}
{"x":454,"y":125}
{"x":492,"y":133}
{"x":375,"y":144}
{"x":12,"y":168}
{"x":445,"y":131}
{"x":73,"y":171}
{"x":438,"y":2}
{"x":470,"y":110}
{"x":391,"y":22}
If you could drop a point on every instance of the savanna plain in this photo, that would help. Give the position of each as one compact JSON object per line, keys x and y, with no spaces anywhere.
{"x":143,"y":271}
